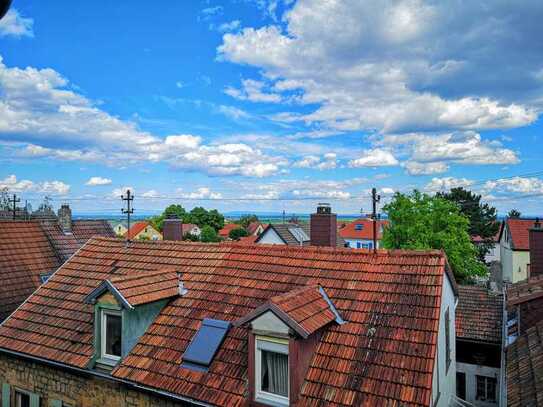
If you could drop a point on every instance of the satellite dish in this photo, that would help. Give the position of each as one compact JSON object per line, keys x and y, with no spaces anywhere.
{"x":4,"y":7}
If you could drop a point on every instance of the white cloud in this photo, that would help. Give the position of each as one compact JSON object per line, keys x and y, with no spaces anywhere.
{"x":446,"y":183}
{"x":521,"y":185}
{"x":118,"y":192}
{"x":401,"y":66}
{"x":233,"y":112}
{"x":201,"y":193}
{"x":254,"y":91}
{"x":374,"y":158}
{"x":16,"y":25}
{"x":327,"y":162}
{"x":179,"y":84}
{"x":45,"y":187}
{"x":151,"y":194}
{"x":231,"y":26}
{"x":416,"y":168}
{"x":94,"y":181}
{"x":37,"y":107}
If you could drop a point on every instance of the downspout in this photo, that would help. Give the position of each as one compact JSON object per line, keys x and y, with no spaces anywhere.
{"x":503,"y":367}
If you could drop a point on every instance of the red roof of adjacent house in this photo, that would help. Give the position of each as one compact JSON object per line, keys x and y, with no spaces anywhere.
{"x":524,"y":291}
{"x":525,"y":369}
{"x":29,"y":249}
{"x":479,"y":314}
{"x":25,"y":253}
{"x":253,"y":227}
{"x":519,"y":232}
{"x":366,"y":233}
{"x":136,"y":229}
{"x":383,"y":355}
{"x":495,"y":238}
{"x":225,"y":231}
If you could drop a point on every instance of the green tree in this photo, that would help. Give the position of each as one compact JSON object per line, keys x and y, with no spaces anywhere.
{"x":171,"y":211}
{"x":190,"y":237}
{"x":209,"y":234}
{"x":419,"y":221}
{"x":236,"y":234}
{"x":514,"y":214}
{"x":4,"y":199}
{"x":246,"y":220}
{"x":482,"y":217}
{"x":202,"y":217}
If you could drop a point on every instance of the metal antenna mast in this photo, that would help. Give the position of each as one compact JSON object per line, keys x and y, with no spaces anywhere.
{"x":128,"y":211}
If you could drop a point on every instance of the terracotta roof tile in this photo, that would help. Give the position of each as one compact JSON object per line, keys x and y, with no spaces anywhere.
{"x":142,"y":288}
{"x":383,"y":355}
{"x":225,"y":231}
{"x":479,"y":314}
{"x":349,"y":231}
{"x":136,"y":229}
{"x":525,"y":369}
{"x":523,"y":291}
{"x":519,"y":230}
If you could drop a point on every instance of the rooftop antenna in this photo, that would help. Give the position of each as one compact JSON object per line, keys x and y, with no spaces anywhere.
{"x":375,"y":199}
{"x":128,"y":211}
{"x":14,"y":201}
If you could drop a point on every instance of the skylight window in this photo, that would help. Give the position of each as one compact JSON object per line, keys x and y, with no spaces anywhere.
{"x":359,"y":226}
{"x":299,"y":234}
{"x":205,"y":343}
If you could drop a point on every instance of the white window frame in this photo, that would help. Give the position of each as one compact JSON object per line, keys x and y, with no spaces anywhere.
{"x":103,"y":314}
{"x":276,"y":345}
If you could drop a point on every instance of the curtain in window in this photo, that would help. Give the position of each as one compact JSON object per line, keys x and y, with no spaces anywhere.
{"x":275,"y":373}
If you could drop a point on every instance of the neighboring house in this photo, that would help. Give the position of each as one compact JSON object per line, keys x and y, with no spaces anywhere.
{"x":494,"y":252}
{"x":30,"y":251}
{"x":120,"y":229}
{"x":173,"y":323}
{"x":515,"y":249}
{"x":224,"y":233}
{"x":256,"y":228}
{"x":143,"y":231}
{"x":190,"y":228}
{"x":359,"y":233}
{"x":479,"y":321}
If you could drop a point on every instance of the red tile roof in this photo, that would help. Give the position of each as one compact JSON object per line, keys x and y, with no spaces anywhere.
{"x":225,"y":231}
{"x":136,"y":229}
{"x":143,"y":288}
{"x":479,"y":314}
{"x":495,"y":238}
{"x":525,"y":369}
{"x":253,"y":227}
{"x":307,"y":307}
{"x":519,"y":232}
{"x":383,"y":355}
{"x":349,"y":230}
{"x":25,"y":253}
{"x":524,"y":291}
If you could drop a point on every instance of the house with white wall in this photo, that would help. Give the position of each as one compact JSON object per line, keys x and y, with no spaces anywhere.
{"x":515,"y":249}
{"x":359,"y":233}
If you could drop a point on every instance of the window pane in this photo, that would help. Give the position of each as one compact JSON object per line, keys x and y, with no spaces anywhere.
{"x":461,"y":385}
{"x":491,"y":389}
{"x":113,"y":335}
{"x":481,"y":388}
{"x":22,"y":400}
{"x":274,"y":370}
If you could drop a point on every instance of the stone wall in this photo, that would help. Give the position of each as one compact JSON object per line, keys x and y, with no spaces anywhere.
{"x":52,"y":383}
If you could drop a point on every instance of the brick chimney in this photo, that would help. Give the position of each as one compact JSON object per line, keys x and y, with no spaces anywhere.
{"x":536,"y":250}
{"x":65,"y":218}
{"x":323,"y":226}
{"x":172,"y":229}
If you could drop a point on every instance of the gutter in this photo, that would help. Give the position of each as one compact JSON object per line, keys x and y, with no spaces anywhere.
{"x":106,"y":377}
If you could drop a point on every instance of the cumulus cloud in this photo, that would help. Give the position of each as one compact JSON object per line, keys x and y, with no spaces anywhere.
{"x":446,"y":183}
{"x":118,"y":192}
{"x":13,"y":24}
{"x":326,"y":162}
{"x":519,"y":185}
{"x":151,"y":194}
{"x":230,"y":26}
{"x":401,"y":66}
{"x":46,"y":187}
{"x":200,"y":193}
{"x":374,"y":158}
{"x":233,"y":112}
{"x":94,"y":181}
{"x":38,"y":106}
{"x":416,"y":168}
{"x":254,"y":91}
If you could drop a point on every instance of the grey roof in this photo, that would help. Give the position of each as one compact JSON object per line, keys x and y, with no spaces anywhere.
{"x":283,"y":230}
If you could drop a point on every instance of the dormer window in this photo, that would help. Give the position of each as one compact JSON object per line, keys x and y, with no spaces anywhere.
{"x":111,"y":334}
{"x":359,"y":226}
{"x":272,"y":372}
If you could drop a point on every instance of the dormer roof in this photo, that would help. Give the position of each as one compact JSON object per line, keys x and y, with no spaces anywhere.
{"x":305,"y":310}
{"x":131,"y":290}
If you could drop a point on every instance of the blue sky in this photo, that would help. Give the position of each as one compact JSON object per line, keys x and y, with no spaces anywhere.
{"x":190,"y":101}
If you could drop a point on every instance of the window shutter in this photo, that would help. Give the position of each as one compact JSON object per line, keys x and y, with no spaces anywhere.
{"x":55,"y":403}
{"x":34,"y":400}
{"x":6,"y":395}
